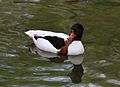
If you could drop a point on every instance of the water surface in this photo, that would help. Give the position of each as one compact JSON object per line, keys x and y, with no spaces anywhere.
{"x":21,"y":68}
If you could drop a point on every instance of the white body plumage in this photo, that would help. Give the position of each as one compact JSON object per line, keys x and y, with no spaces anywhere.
{"x":75,"y":48}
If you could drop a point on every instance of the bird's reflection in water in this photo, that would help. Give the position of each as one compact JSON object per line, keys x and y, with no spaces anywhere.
{"x":77,"y":71}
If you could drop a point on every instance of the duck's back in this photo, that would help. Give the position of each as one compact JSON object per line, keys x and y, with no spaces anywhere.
{"x":42,"y":33}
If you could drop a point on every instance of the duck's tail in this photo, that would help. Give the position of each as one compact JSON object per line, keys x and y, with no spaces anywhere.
{"x":30,"y":33}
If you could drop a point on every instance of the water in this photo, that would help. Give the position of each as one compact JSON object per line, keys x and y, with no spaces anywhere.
{"x":21,"y":68}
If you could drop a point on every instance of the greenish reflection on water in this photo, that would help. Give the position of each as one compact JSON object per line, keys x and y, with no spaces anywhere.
{"x":19,"y":68}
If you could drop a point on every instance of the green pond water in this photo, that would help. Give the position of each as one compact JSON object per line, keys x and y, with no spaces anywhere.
{"x":21,"y":68}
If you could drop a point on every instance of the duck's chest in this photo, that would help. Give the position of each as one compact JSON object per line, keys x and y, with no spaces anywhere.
{"x":75,"y":48}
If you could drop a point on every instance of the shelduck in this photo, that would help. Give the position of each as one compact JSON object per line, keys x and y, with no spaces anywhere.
{"x":59,"y":43}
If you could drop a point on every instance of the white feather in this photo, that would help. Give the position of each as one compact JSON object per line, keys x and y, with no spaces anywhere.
{"x":75,"y":48}
{"x":45,"y":45}
{"x":42,"y":33}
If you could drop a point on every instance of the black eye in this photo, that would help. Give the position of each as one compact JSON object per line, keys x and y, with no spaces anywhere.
{"x":71,"y":31}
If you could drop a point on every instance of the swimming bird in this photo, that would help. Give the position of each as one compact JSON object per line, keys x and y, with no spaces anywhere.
{"x":59,"y":43}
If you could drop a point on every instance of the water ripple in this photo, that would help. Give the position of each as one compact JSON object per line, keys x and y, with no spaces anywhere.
{"x":5,"y":66}
{"x":33,"y":85}
{"x":45,"y":78}
{"x":113,"y":81}
{"x":56,"y":79}
{"x":99,"y":75}
{"x":8,"y":13}
{"x":103,"y":63}
{"x":46,"y":69}
{"x":8,"y":55}
{"x":28,"y":15}
{"x":82,"y":85}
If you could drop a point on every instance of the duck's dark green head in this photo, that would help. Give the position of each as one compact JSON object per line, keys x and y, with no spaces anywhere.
{"x":76,"y":32}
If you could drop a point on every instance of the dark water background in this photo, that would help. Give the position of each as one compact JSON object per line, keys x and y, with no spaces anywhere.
{"x":21,"y":68}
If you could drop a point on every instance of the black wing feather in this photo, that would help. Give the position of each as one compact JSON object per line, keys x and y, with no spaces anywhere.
{"x":57,"y":42}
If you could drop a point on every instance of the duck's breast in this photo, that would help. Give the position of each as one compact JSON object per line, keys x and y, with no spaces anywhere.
{"x":75,"y":48}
